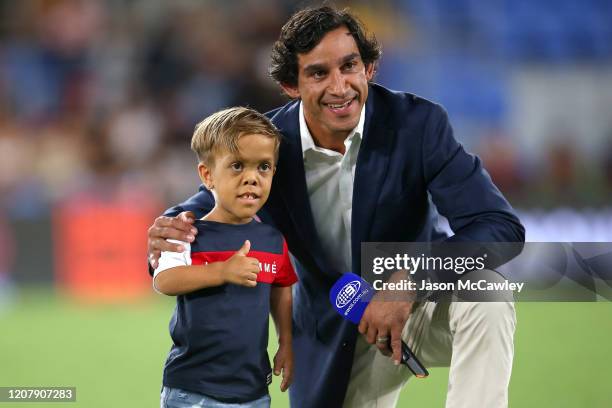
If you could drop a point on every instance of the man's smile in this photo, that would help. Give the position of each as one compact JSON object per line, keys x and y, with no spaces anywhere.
{"x":340,"y":107}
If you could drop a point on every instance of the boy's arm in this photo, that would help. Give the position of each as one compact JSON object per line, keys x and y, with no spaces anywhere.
{"x":281,"y":302}
{"x":176,"y":276}
{"x":280,"y":308}
{"x":188,"y":278}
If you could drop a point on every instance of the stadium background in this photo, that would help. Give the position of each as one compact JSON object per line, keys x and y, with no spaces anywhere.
{"x":97,"y":104}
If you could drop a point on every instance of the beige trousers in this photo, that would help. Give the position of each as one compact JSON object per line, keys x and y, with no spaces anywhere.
{"x":474,"y":338}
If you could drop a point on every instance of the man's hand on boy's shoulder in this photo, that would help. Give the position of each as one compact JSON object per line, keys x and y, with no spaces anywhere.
{"x":179,"y":228}
{"x":283,"y":362}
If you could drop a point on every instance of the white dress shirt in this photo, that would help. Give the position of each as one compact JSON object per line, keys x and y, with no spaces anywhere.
{"x":329,"y":179}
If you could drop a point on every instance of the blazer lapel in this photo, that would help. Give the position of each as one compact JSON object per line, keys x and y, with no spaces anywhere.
{"x":371,"y":168}
{"x":291,"y":179}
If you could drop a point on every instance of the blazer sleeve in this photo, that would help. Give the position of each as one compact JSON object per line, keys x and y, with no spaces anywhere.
{"x":200,"y":203}
{"x":464,"y":193}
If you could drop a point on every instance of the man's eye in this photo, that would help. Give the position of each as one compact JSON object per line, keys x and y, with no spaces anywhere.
{"x":236,"y":166}
{"x":318,"y":75}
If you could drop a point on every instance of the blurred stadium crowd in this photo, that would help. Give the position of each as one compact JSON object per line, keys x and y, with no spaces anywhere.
{"x":98,"y":99}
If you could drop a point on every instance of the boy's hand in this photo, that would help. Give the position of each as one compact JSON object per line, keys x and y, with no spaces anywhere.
{"x":283,"y":361}
{"x":241,"y":269}
{"x":180,"y":228}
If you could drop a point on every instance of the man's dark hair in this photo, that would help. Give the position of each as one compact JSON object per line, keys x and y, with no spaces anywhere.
{"x":304,"y":31}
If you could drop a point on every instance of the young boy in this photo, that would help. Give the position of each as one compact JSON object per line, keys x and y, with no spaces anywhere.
{"x":231,"y":277}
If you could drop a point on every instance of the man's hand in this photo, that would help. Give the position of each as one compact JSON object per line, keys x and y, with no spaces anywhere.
{"x":382,"y":324}
{"x":283,"y":362}
{"x":179,"y":228}
{"x":241,"y":269}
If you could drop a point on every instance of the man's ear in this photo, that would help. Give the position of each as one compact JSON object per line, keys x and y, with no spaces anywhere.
{"x":291,"y":90}
{"x":206,"y":176}
{"x":370,"y":70}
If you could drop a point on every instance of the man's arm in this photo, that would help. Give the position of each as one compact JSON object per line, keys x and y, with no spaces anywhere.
{"x":462,"y":190}
{"x":177,"y":224}
{"x":476,"y":210}
{"x":464,"y":193}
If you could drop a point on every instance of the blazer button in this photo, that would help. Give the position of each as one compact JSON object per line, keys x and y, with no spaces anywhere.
{"x":344,"y":344}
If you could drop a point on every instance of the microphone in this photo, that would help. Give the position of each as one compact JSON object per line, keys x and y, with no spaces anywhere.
{"x":351,"y":295}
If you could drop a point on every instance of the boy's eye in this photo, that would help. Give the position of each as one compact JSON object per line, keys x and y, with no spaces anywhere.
{"x":237,"y":166}
{"x":265,"y":167}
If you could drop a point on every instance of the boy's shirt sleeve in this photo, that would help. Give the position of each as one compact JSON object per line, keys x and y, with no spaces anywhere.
{"x":286,"y":275}
{"x":169,"y":259}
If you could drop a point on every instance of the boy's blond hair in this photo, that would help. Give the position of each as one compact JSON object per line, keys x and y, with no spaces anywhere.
{"x":223,"y":129}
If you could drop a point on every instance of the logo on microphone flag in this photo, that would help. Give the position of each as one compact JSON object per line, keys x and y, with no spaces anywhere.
{"x":351,"y":295}
{"x":347,"y":293}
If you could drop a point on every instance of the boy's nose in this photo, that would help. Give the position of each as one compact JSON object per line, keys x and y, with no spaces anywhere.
{"x":249,"y":180}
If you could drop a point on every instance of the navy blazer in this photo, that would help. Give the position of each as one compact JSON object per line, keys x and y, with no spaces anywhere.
{"x":408,"y":159}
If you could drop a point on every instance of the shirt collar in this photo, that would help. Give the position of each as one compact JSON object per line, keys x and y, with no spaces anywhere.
{"x":308,"y":142}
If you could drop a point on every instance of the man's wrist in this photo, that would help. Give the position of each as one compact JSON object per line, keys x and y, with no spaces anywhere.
{"x":285,"y":341}
{"x":397,"y":291}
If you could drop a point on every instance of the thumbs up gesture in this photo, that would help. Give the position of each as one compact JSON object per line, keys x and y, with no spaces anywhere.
{"x":241,"y":269}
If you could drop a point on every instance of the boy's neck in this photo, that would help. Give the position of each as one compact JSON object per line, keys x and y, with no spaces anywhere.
{"x":226,"y":218}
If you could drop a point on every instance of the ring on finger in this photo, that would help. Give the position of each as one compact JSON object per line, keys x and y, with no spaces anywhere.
{"x":382,"y":339}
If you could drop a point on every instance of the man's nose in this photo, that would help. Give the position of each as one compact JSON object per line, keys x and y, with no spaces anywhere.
{"x":338,"y":85}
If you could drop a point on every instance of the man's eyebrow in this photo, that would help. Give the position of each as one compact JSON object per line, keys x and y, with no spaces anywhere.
{"x":312,"y":68}
{"x":349,"y":58}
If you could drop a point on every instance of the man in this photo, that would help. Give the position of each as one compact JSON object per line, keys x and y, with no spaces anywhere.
{"x":360,"y":163}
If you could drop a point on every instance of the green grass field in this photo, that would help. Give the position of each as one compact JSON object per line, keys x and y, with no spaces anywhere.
{"x":114,"y":354}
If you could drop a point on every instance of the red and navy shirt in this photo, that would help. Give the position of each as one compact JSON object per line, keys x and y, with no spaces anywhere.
{"x":220,"y":334}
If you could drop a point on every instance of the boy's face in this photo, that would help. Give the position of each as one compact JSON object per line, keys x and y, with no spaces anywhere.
{"x":241,"y":183}
{"x":333,"y":85}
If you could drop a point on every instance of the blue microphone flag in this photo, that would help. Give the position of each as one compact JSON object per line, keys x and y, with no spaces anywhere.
{"x":350,"y":296}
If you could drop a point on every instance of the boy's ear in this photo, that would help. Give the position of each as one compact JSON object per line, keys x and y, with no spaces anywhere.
{"x":291,"y":90}
{"x":206,"y":176}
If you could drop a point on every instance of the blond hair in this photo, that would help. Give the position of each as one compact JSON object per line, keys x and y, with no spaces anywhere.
{"x":222,"y":129}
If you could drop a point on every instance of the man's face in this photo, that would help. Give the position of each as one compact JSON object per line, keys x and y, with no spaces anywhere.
{"x":333,"y":85}
{"x":240,"y":183}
